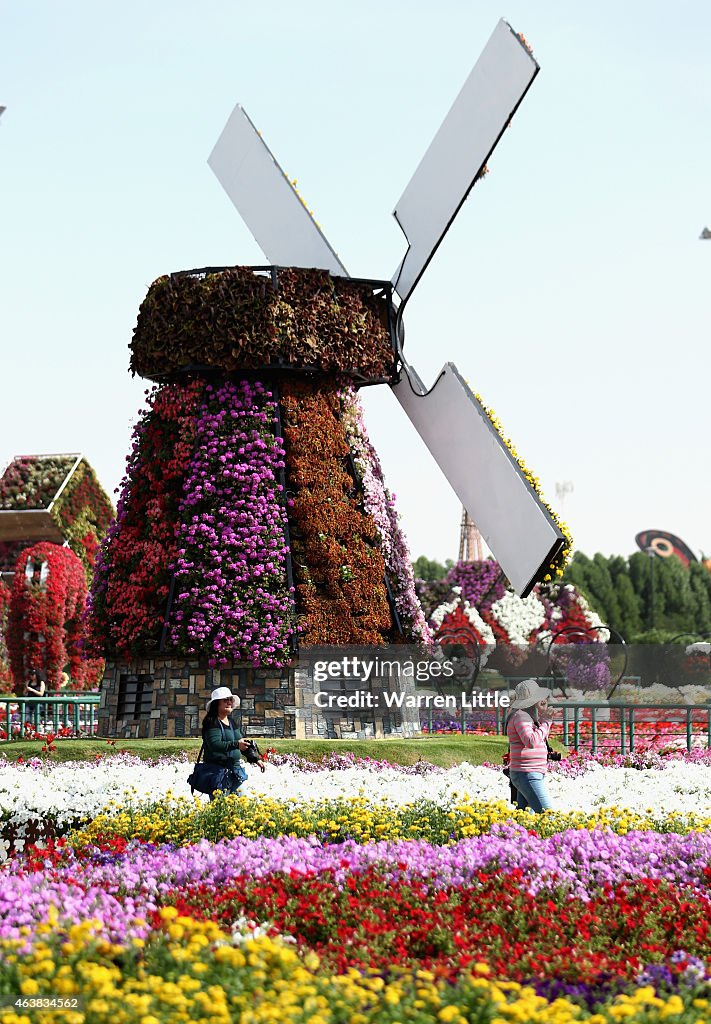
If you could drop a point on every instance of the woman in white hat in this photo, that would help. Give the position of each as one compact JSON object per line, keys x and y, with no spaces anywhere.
{"x":223,"y":741}
{"x":527,"y":728}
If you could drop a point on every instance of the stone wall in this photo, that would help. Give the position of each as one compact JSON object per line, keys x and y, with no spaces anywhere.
{"x":174,"y":703}
{"x":165,"y":697}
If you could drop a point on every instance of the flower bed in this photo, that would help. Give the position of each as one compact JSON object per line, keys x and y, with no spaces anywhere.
{"x":330,"y":905}
{"x":371,"y":799}
{"x":194,"y":971}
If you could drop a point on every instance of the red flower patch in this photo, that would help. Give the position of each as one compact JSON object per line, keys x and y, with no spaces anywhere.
{"x":371,"y":921}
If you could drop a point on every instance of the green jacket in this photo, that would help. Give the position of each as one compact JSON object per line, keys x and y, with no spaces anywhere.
{"x":222,"y":744}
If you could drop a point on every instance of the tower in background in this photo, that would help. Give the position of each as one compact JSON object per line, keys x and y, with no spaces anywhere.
{"x":471,"y":542}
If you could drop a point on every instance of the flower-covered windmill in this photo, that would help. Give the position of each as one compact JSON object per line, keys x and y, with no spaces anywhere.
{"x":254,"y":517}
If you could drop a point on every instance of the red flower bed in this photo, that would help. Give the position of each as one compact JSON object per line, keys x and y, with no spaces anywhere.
{"x":456,"y":626}
{"x":372,"y":921}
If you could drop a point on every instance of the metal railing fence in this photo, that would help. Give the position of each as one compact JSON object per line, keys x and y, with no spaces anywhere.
{"x":591,"y":725}
{"x":48,"y":714}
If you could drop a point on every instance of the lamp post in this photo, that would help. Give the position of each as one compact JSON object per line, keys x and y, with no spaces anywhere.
{"x":562,"y":490}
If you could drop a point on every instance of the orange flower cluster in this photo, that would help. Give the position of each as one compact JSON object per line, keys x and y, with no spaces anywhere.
{"x":338,"y":567}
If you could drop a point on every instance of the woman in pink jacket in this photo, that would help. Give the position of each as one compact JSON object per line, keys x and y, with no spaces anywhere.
{"x":527,"y":728}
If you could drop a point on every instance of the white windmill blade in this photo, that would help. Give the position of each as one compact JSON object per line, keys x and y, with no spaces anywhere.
{"x":267,"y":201}
{"x":484,"y":475}
{"x":459,"y":151}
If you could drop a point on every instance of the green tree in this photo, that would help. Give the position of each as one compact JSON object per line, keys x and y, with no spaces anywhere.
{"x":630,"y":619}
{"x":641,"y":597}
{"x":677,"y":600}
{"x":593,"y":580}
{"x":429,"y":570}
{"x":604,"y":590}
{"x":644,"y":583}
{"x":700,"y":583}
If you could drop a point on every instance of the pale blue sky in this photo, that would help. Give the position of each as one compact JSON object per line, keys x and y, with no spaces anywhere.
{"x":572,"y":291}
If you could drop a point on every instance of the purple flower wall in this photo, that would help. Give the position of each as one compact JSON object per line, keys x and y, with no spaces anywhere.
{"x":232,"y":600}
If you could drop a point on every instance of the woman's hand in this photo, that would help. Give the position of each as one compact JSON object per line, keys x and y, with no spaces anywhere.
{"x":243,"y":744}
{"x":262,"y":766}
{"x":545,"y":713}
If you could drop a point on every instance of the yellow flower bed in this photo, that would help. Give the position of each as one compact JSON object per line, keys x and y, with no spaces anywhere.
{"x":184,"y":821}
{"x":192,"y":973}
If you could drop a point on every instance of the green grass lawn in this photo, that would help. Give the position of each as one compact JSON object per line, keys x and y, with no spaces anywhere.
{"x":441,"y":750}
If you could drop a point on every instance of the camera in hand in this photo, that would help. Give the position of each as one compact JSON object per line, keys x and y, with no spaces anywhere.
{"x":252,"y":754}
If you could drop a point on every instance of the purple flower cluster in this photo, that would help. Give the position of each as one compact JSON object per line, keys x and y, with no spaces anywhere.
{"x":481,"y":584}
{"x":342,"y":762}
{"x":121,"y":889}
{"x":693,"y":972}
{"x":590,"y":669}
{"x":606,"y":987}
{"x":25,"y":903}
{"x":232,"y":600}
{"x":578,"y":764}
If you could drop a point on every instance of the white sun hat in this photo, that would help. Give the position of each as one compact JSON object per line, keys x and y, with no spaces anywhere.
{"x":222,"y":693}
{"x":528,"y":693}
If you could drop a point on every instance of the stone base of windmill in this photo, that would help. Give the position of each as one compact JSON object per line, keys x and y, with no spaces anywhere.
{"x":164,"y":697}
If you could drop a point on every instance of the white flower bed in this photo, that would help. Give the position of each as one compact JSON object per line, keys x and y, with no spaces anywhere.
{"x":520,"y":617}
{"x":66,"y":791}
